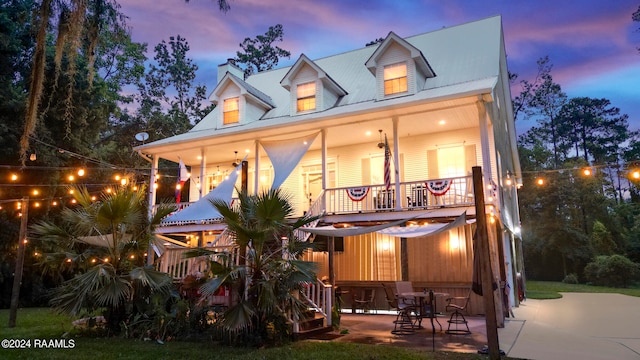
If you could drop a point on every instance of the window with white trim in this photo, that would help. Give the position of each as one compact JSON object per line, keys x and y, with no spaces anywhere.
{"x":230,"y":111}
{"x":395,"y":78}
{"x":306,"y":94}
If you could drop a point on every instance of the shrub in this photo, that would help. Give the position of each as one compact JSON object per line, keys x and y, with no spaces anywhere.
{"x":614,"y":271}
{"x":570,"y":279}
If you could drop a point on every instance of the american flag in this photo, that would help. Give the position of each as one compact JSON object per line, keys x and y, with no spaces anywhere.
{"x":183,"y":176}
{"x":387,"y":164}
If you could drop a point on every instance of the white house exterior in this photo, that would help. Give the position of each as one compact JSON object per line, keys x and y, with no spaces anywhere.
{"x":441,"y":99}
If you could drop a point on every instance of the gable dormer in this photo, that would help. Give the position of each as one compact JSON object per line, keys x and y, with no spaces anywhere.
{"x":311,"y":88}
{"x":399,"y":67}
{"x":238,"y":102}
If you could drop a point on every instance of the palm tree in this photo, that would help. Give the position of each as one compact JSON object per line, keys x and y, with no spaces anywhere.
{"x":102,"y":243}
{"x":269,"y":280}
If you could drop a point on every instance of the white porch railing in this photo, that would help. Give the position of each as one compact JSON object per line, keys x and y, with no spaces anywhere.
{"x":316,"y":209}
{"x":320,"y":299}
{"x":177,"y":266}
{"x":413,"y":195}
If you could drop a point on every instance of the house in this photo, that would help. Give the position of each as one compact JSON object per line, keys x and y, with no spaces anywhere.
{"x":383,"y":133}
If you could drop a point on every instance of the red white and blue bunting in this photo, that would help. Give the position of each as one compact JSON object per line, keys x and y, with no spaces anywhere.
{"x":439,"y":187}
{"x":357,"y":193}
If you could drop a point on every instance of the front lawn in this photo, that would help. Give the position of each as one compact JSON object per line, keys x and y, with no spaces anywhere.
{"x":42,"y":323}
{"x":552,"y":290}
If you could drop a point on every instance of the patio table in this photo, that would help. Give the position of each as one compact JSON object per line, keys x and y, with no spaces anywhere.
{"x":422,"y":313}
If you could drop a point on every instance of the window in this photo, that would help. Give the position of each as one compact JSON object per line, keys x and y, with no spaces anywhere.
{"x":230,"y":111}
{"x":451,"y":162}
{"x":395,"y":78}
{"x":307,"y":96}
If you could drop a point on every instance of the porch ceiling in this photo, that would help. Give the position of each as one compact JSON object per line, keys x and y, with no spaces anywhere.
{"x":359,"y":127}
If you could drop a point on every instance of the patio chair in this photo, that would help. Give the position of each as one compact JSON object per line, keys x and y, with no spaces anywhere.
{"x":403,"y":324}
{"x":405,"y":287}
{"x":457,"y":319}
{"x":366,"y":301}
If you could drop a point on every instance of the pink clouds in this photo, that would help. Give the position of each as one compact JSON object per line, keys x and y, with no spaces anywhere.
{"x":586,"y":39}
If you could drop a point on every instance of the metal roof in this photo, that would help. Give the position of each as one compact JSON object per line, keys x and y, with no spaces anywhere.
{"x":466,"y":59}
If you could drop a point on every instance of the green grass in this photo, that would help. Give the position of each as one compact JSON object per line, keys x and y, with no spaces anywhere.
{"x":42,"y":323}
{"x":551,"y":290}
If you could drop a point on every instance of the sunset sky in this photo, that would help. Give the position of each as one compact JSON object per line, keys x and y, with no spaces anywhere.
{"x":592,"y":44}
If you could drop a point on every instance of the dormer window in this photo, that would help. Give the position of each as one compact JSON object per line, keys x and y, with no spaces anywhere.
{"x":230,"y":111}
{"x":306,"y":94}
{"x":395,"y":78}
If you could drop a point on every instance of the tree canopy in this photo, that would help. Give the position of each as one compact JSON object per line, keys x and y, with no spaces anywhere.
{"x":573,"y":216}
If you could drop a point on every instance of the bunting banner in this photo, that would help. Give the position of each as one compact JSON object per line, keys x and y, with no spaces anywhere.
{"x":357,"y":193}
{"x":439,"y":187}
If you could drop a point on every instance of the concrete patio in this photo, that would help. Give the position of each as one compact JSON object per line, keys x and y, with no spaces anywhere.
{"x":577,"y":326}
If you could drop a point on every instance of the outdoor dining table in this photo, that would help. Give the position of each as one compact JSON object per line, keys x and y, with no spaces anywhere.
{"x":422,"y":312}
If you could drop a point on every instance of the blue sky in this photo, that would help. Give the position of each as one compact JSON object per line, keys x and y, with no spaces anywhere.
{"x":592,"y":44}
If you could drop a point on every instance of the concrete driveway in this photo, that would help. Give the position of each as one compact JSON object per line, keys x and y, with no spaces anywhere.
{"x":577,"y":326}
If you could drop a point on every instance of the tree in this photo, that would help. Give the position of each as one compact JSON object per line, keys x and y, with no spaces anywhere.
{"x":270,"y":282}
{"x":601,"y":240}
{"x":593,"y":129}
{"x":259,"y":54}
{"x":102,"y":244}
{"x":173,"y":74}
{"x":542,"y":99}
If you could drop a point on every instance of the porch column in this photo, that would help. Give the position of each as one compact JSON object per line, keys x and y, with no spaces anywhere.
{"x":152,"y":202}
{"x":324,"y":158}
{"x":396,"y":161}
{"x":484,"y":138}
{"x":256,"y":172}
{"x":404,"y":259}
{"x":324,"y":168}
{"x":203,"y":172}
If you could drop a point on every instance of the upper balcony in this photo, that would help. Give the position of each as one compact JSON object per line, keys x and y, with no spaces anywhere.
{"x":371,"y":202}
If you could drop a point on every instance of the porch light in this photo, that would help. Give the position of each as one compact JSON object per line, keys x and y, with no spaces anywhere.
{"x":380,"y":143}
{"x":236,"y":162}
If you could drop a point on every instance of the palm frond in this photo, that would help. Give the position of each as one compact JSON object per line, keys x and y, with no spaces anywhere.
{"x":148,"y":277}
{"x":239,"y":317}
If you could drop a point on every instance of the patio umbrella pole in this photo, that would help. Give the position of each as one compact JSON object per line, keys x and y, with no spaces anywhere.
{"x":485,"y":262}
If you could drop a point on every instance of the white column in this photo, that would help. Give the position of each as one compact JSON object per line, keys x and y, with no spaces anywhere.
{"x":484,"y":139}
{"x":324,"y":159}
{"x":152,"y":203}
{"x":396,"y":163}
{"x":256,"y":172}
{"x":203,"y":173}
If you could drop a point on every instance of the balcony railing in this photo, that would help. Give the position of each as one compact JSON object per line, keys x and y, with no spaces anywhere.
{"x":428,"y":194}
{"x":423,"y":194}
